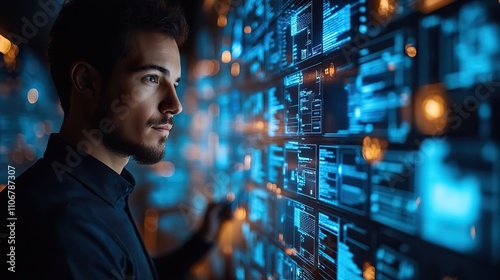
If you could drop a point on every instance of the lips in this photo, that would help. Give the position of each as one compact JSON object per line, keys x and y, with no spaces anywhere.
{"x":163,"y":129}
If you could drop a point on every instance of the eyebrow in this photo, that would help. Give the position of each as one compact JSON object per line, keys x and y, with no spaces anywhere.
{"x":165,"y":71}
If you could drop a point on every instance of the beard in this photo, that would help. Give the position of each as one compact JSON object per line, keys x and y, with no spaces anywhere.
{"x":142,"y":154}
{"x":116,"y":142}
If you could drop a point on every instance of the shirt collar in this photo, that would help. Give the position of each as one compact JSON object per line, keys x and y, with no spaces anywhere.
{"x":91,"y":172}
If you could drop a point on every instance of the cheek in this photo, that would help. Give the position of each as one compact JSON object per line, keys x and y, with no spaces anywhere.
{"x":137,"y":121}
{"x":132,"y":109}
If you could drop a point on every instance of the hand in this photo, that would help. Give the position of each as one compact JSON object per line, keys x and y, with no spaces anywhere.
{"x":215,"y":215}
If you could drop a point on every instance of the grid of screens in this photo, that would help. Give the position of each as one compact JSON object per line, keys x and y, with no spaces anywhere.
{"x":345,"y":183}
{"x":283,"y":36}
{"x":327,"y":99}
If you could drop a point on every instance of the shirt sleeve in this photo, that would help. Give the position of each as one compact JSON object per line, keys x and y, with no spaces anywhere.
{"x":176,"y":264}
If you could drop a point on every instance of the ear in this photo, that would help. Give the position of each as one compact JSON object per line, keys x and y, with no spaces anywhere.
{"x":85,"y":79}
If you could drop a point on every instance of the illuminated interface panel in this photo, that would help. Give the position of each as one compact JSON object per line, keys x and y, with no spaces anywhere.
{"x":393,"y":199}
{"x":383,"y":88}
{"x":393,"y":265}
{"x":297,"y":228}
{"x":300,"y":168}
{"x":261,"y":56}
{"x":270,"y":259}
{"x":354,"y":255}
{"x":273,"y":8}
{"x":276,"y":111}
{"x":272,"y":49}
{"x":253,"y":109}
{"x":354,"y":179}
{"x":225,"y":119}
{"x":253,"y":61}
{"x":275,"y":164}
{"x":339,"y":18}
{"x":394,"y":261}
{"x":257,"y":168}
{"x":328,"y":238}
{"x":303,"y":101}
{"x":328,"y":175}
{"x":253,"y":13}
{"x":301,"y":32}
{"x":285,"y":266}
{"x":259,"y":209}
{"x":469,"y":53}
{"x":304,"y":274}
{"x":343,"y":249}
{"x":343,"y":178}
{"x":257,"y":244}
{"x":458,"y":182}
{"x":338,"y":87}
{"x":237,"y":37}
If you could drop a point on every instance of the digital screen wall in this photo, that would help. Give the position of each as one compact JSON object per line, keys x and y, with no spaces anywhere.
{"x":376,"y":153}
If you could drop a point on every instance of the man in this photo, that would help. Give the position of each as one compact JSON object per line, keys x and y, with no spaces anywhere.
{"x":116,"y":66}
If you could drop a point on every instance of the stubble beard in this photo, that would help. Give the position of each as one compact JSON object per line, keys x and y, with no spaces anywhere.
{"x":142,"y":154}
{"x":117,"y":143}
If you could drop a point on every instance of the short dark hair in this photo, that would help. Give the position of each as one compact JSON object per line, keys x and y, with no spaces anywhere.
{"x":96,"y":31}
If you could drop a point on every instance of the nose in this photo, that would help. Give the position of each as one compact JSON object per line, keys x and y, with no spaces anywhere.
{"x":170,"y":102}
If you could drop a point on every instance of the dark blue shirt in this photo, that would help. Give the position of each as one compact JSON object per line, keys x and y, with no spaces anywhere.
{"x":74,"y":222}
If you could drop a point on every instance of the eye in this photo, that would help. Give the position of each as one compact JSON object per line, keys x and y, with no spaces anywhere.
{"x":152,"y":79}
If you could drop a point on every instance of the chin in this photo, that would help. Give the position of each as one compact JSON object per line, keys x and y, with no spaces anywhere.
{"x":147,"y":154}
{"x":149,"y":157}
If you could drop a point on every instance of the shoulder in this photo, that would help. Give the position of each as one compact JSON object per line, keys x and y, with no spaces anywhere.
{"x":60,"y":230}
{"x":44,"y":172}
{"x":45,"y":199}
{"x":68,"y":244}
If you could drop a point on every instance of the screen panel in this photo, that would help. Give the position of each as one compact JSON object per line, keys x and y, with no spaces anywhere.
{"x":395,"y":258}
{"x":343,"y":178}
{"x":297,"y":229}
{"x":301,"y":32}
{"x":275,"y":111}
{"x":394,"y":199}
{"x":458,"y":181}
{"x":300,"y":168}
{"x":383,"y":87}
{"x":344,"y":248}
{"x":303,"y":101}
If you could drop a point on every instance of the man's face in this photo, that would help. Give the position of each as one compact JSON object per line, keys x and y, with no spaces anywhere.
{"x":140,"y":98}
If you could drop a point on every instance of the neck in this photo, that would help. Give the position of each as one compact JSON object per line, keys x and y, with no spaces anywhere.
{"x":90,"y":140}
